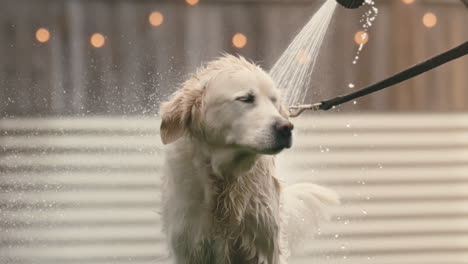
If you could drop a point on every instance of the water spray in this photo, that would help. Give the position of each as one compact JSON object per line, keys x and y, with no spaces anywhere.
{"x":293,"y":68}
{"x":429,"y":64}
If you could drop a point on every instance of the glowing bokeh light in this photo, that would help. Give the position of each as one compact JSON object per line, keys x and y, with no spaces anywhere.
{"x":97,"y":40}
{"x":156,"y":19}
{"x":303,"y":57}
{"x":239,"y":40}
{"x":192,"y":2}
{"x":42,"y":35}
{"x":429,"y":19}
{"x":361,"y":37}
{"x":408,"y":1}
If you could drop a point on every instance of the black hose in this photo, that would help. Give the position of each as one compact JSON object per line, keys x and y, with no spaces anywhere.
{"x":415,"y":70}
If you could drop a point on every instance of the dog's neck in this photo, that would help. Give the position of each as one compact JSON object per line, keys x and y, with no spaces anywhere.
{"x":242,"y":180}
{"x":227,"y":162}
{"x":230,"y":184}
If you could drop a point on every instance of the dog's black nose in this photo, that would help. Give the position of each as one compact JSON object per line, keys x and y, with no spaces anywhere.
{"x":284,"y":127}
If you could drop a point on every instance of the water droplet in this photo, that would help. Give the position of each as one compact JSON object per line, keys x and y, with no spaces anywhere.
{"x":337,"y":236}
{"x":351,"y":85}
{"x":364,"y":211}
{"x":354,"y":102}
{"x":346,"y":222}
{"x":348,"y":125}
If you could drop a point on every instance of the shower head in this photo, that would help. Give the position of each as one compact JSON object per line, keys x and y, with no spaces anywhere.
{"x":351,"y":4}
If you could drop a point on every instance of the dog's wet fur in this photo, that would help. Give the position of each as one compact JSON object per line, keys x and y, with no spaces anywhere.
{"x":221,"y":197}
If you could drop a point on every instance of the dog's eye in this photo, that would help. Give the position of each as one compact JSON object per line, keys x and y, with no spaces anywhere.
{"x":250,"y":98}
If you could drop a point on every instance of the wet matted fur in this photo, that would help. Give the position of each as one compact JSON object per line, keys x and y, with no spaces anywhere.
{"x":221,"y":200}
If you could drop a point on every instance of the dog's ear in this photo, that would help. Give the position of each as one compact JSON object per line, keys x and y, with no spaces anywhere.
{"x":181,"y":113}
{"x":172,"y":119}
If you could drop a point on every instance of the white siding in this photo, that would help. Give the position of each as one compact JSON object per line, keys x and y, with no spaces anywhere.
{"x":86,"y":190}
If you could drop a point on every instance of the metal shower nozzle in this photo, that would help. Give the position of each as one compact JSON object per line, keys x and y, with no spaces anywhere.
{"x":351,"y":4}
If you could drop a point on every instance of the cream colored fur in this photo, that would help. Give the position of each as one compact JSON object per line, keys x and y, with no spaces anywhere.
{"x":221,"y":200}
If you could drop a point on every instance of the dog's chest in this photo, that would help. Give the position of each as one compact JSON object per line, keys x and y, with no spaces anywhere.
{"x":247,"y":220}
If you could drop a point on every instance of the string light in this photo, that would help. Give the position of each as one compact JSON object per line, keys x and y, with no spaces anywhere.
{"x":192,"y":2}
{"x":408,"y":1}
{"x":361,"y":37}
{"x":42,"y":35}
{"x":429,"y":19}
{"x":239,"y":40}
{"x":97,"y":40}
{"x":156,"y":19}
{"x":303,"y":57}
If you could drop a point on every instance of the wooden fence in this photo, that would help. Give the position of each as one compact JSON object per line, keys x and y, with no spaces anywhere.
{"x":140,"y":64}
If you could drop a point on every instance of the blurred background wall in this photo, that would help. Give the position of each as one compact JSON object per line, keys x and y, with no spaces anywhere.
{"x":50,"y":67}
{"x":80,"y":154}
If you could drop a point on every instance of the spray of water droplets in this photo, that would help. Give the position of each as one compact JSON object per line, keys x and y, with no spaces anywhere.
{"x":367,"y":19}
{"x":294,"y":68}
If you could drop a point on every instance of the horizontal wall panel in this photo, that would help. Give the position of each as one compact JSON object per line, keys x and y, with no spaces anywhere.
{"x":82,"y":192}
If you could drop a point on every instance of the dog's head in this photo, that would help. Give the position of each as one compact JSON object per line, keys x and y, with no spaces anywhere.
{"x":231,"y":102}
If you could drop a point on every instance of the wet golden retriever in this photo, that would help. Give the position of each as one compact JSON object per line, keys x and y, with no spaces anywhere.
{"x":221,"y":200}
